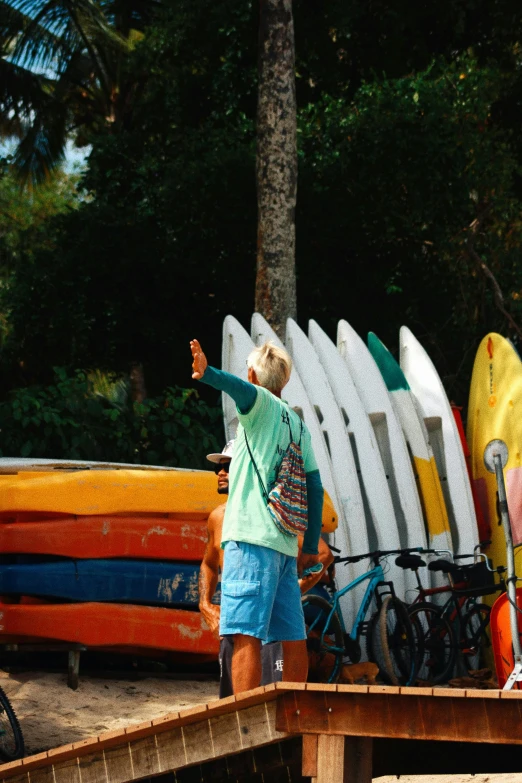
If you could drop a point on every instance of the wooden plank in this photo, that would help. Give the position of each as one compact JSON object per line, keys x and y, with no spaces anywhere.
{"x":157,"y":753}
{"x":118,"y":764}
{"x":257,"y":725}
{"x":330,"y":759}
{"x":144,"y":757}
{"x":387,"y":714}
{"x":198,"y":742}
{"x":226,"y":734}
{"x":42,"y":775}
{"x":68,"y":772}
{"x":171,"y":750}
{"x":309,"y":767}
{"x":92,"y":768}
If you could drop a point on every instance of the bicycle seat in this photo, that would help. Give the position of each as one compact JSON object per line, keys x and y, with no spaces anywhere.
{"x":410,"y":561}
{"x":445,"y":566}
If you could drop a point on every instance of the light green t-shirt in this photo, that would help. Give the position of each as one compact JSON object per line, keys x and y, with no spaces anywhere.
{"x":266,"y":426}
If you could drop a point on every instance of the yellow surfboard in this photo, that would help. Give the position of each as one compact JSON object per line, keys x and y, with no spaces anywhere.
{"x":187,"y":494}
{"x":495,"y":411}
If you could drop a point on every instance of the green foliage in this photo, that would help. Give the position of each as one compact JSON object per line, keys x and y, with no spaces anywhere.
{"x":25,"y":214}
{"x":409,"y":179}
{"x":71,"y":420}
{"x":406,"y":167}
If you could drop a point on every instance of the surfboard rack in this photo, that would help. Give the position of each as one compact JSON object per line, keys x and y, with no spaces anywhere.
{"x":495,"y":459}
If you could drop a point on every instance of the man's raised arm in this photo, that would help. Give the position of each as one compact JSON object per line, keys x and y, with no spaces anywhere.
{"x":242,"y":392}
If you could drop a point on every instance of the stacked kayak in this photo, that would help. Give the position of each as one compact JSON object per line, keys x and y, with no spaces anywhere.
{"x":106,"y":556}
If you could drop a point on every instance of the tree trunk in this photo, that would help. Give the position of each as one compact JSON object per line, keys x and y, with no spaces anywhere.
{"x":138,"y":389}
{"x":276,"y":165}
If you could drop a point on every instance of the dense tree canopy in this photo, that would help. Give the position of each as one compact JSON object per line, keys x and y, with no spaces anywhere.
{"x":408,"y":204}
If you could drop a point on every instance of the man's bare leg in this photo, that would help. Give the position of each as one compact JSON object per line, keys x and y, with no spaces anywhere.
{"x":246,"y":663}
{"x":295,"y":661}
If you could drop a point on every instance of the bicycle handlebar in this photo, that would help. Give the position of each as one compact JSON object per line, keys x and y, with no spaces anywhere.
{"x":377,"y":554}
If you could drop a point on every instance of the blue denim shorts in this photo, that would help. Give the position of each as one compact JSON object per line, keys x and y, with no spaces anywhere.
{"x":260,"y":594}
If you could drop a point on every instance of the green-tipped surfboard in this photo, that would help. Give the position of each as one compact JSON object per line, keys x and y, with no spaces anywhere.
{"x":428,"y":482}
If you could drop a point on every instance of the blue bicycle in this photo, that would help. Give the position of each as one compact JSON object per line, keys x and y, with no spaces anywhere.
{"x":390,"y":636}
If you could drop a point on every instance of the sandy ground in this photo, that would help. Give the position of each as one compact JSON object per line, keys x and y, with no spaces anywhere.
{"x":51,"y":714}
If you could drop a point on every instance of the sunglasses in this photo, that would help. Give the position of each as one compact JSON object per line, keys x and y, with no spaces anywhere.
{"x":222,"y":466}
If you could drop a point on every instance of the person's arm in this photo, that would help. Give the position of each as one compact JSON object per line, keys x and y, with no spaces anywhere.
{"x":243,"y":393}
{"x":326,"y":559}
{"x":208,"y":575}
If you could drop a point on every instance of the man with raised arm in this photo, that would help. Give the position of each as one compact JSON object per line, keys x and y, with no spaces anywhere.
{"x":260,"y":595}
{"x":271,"y":653}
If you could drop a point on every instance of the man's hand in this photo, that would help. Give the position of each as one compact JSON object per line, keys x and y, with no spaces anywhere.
{"x":211,"y":613}
{"x":199,"y":360}
{"x":306,"y":561}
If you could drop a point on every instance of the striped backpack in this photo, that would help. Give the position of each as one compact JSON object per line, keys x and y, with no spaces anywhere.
{"x":287,"y":501}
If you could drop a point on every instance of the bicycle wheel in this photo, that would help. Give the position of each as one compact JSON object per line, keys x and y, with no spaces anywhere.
{"x":475,"y":639}
{"x":393,"y":643}
{"x":11,"y":738}
{"x":324,"y":640}
{"x":435,"y":641}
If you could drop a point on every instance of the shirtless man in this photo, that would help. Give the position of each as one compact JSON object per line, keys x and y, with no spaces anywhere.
{"x":271,"y":654}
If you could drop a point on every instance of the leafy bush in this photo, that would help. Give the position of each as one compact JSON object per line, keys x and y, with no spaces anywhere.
{"x":71,"y":420}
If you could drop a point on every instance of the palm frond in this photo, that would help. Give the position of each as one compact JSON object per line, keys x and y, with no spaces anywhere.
{"x":21,"y":93}
{"x":56,"y":29}
{"x":42,"y":145}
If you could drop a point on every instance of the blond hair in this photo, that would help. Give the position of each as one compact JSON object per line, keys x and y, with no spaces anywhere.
{"x":272,"y":365}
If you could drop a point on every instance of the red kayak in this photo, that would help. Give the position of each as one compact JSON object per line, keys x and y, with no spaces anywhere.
{"x":108,"y":625}
{"x":145,"y":537}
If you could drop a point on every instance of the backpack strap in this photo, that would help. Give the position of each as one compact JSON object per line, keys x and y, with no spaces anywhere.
{"x":265,"y":493}
{"x":263,"y":488}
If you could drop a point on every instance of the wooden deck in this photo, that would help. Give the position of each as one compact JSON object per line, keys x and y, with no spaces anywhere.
{"x":337,"y":724}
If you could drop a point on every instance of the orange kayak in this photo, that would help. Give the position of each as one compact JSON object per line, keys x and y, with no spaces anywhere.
{"x":109,"y":625}
{"x":502,"y":639}
{"x":151,"y":538}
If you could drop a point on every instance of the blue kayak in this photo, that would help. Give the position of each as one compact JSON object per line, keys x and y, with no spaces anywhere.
{"x":151,"y":582}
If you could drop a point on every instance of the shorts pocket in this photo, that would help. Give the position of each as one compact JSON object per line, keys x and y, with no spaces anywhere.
{"x":240,"y":603}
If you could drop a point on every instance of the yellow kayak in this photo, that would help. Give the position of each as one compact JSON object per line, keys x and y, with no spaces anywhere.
{"x":495,"y":411}
{"x":186,"y":494}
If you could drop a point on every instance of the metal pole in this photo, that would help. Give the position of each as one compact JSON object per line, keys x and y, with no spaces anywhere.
{"x":511,"y":582}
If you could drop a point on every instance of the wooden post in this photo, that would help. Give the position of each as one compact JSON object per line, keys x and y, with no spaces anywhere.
{"x":73,"y":669}
{"x":309,"y":756}
{"x":329,"y":758}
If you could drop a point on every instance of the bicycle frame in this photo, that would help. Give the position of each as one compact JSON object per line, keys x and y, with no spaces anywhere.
{"x":376,"y":578}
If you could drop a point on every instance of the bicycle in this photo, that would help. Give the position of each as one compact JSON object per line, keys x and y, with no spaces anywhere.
{"x":11,"y":738}
{"x":459,"y":625}
{"x":390,"y":641}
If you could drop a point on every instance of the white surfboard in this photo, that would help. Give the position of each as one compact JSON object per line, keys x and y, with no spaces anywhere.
{"x":392,"y":445}
{"x":352,"y":534}
{"x":417,"y":438}
{"x":428,"y":389}
{"x":383,"y":532}
{"x":237,"y":345}
{"x":296,"y":395}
